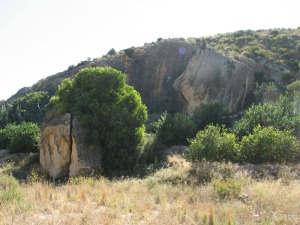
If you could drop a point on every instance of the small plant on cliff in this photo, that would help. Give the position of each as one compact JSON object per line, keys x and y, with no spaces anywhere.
{"x":110,"y":109}
{"x":112,"y":51}
{"x":129,"y":52}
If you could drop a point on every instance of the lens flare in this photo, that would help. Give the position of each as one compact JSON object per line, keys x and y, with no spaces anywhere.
{"x":182,"y":50}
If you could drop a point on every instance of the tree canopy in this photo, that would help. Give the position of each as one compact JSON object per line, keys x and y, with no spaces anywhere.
{"x":110,"y":109}
{"x":29,"y":108}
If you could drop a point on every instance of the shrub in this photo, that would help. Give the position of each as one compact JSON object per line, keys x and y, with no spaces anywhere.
{"x":111,"y":110}
{"x":213,"y":143}
{"x":206,"y":171}
{"x":268,"y":144}
{"x":10,"y":191}
{"x":3,"y":113}
{"x":129,"y":52}
{"x":3,"y":139}
{"x":228,"y":188}
{"x":112,"y":51}
{"x":21,"y":138}
{"x":211,"y":113}
{"x":152,"y":151}
{"x":293,"y":89}
{"x":279,"y":114}
{"x":174,"y":129}
{"x":267,"y":92}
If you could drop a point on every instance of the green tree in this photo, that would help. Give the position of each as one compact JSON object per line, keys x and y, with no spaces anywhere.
{"x":110,"y":109}
{"x":29,"y":108}
{"x":174,"y":129}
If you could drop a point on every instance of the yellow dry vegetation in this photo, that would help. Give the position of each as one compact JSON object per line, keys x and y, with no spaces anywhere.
{"x":169,"y":196}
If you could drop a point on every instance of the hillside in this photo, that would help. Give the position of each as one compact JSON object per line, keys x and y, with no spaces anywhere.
{"x":222,"y":144}
{"x":273,"y":56}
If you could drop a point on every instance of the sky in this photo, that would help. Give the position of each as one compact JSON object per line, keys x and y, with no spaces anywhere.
{"x":39,"y":38}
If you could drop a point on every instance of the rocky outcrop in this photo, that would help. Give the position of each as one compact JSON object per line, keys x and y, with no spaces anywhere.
{"x":210,"y":76}
{"x":85,"y":159}
{"x":63,"y":152}
{"x":198,"y":74}
{"x":151,"y":69}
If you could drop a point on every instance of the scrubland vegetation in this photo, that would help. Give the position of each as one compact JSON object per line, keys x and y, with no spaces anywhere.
{"x":236,"y":169}
{"x":178,"y":193}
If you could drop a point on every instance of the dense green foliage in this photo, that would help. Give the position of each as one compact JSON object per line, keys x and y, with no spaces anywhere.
{"x":267,"y":144}
{"x":264,"y":144}
{"x":175,"y":129}
{"x":3,"y":114}
{"x":279,"y":114}
{"x":110,"y":109}
{"x":214,"y":143}
{"x":129,"y":51}
{"x":20,"y":138}
{"x":29,"y":108}
{"x":211,"y":113}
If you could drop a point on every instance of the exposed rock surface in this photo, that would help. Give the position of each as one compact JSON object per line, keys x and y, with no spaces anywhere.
{"x":151,"y":70}
{"x":200,"y":74}
{"x":210,"y":76}
{"x":85,"y":159}
{"x":63,"y":152}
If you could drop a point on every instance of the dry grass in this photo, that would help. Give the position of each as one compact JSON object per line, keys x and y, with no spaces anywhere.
{"x":167,"y":197}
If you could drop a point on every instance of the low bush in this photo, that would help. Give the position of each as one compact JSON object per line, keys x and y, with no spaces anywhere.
{"x":175,"y":129}
{"x":20,"y":138}
{"x":229,"y":188}
{"x":280,"y":114}
{"x":268,"y":144}
{"x":214,"y":143}
{"x":152,"y":151}
{"x":211,"y":113}
{"x":129,"y":52}
{"x":202,"y":172}
{"x":10,"y":191}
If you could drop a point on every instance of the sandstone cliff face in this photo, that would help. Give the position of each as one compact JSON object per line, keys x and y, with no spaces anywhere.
{"x":163,"y":71}
{"x":63,"y":152}
{"x":85,"y":160}
{"x":55,"y":147}
{"x":151,"y":70}
{"x":210,"y":76}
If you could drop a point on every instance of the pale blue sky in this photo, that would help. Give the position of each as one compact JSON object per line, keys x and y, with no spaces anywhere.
{"x":39,"y":38}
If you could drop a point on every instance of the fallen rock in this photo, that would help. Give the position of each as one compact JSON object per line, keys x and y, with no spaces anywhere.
{"x":63,"y":151}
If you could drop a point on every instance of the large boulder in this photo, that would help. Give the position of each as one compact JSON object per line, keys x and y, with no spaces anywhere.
{"x":63,"y":151}
{"x":210,"y":76}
